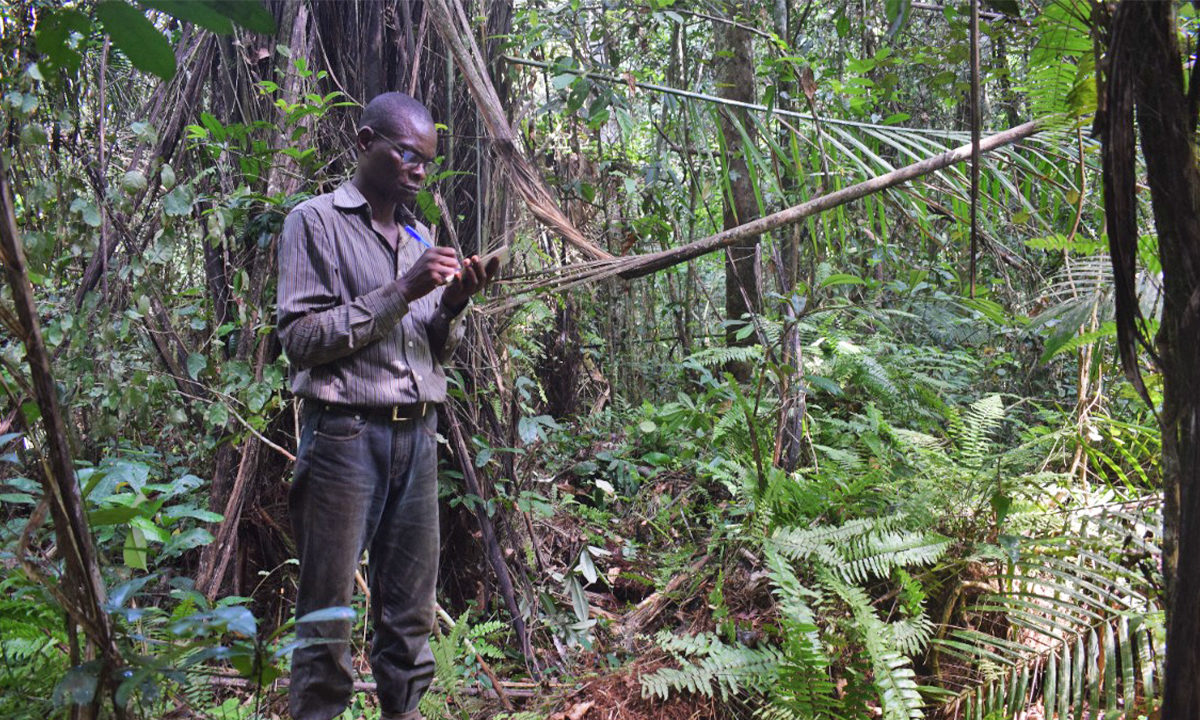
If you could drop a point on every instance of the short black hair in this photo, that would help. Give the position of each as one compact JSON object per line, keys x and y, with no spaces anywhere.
{"x":383,"y":110}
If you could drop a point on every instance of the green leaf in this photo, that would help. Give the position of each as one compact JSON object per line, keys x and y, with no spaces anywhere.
{"x":126,"y":590}
{"x":186,"y":540}
{"x":118,"y":515}
{"x":842,"y":279}
{"x":236,"y":619}
{"x":53,"y":30}
{"x":196,"y":364}
{"x":1001,"y":504}
{"x":136,"y":549}
{"x":181,"y":511}
{"x":88,"y":210}
{"x":897,"y":14}
{"x":250,"y":14}
{"x":133,"y":181}
{"x":579,"y":601}
{"x":137,"y":37}
{"x":78,"y":686}
{"x":198,"y":13}
{"x":586,"y":567}
{"x":178,"y":202}
{"x":327,"y":614}
{"x":257,"y":396}
{"x":128,"y":473}
{"x":33,"y":134}
{"x":647,"y":426}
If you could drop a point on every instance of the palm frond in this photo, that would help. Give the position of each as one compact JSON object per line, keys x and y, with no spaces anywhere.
{"x":1084,"y":624}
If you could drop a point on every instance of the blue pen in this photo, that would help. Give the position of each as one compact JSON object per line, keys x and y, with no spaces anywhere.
{"x":416,"y":235}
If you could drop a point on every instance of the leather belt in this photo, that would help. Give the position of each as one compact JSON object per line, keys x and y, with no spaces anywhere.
{"x":395,"y":413}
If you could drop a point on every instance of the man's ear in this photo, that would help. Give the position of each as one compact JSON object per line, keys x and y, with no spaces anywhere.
{"x":365,"y":135}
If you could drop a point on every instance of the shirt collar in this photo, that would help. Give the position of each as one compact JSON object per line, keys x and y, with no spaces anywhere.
{"x":348,"y":197}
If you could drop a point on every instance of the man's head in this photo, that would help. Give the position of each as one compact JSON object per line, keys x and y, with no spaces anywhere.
{"x":396,"y":138}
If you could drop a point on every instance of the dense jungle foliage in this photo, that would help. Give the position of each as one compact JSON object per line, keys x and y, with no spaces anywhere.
{"x":879,"y":461}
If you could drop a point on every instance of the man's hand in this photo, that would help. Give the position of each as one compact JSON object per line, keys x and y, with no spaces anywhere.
{"x":436,"y":266}
{"x":470,"y":280}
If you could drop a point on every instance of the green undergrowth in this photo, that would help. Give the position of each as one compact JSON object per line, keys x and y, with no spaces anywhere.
{"x":929,"y":555}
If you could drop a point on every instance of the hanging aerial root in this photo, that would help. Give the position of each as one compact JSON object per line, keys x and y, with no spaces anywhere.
{"x":455,"y":30}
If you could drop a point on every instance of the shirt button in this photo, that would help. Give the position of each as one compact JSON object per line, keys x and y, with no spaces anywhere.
{"x":410,"y":343}
{"x":420,"y":379}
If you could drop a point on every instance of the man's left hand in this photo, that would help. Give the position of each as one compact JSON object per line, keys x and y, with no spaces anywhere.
{"x":470,"y":279}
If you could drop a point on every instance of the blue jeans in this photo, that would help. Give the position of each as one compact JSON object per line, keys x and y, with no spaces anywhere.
{"x":365,"y":482}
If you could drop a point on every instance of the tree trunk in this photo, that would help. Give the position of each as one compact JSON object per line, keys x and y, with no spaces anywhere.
{"x":735,"y":77}
{"x":1146,"y":66}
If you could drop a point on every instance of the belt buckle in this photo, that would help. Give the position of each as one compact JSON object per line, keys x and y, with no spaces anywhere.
{"x":418,"y":412}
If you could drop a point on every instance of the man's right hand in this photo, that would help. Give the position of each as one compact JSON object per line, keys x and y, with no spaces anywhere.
{"x":436,"y":267}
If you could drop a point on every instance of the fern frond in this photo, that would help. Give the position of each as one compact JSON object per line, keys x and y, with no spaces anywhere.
{"x":711,"y":668}
{"x":720,"y":355}
{"x":973,"y":436}
{"x":893,"y":675}
{"x":861,"y":548}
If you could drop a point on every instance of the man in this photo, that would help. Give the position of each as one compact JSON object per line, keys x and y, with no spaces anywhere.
{"x":367,"y":312}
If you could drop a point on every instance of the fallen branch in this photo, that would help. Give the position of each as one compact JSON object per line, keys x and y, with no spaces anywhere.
{"x":564,"y":278}
{"x":653,"y":262}
{"x":650,"y":608}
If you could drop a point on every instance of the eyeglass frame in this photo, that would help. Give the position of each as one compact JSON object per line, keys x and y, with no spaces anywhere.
{"x":406,"y":153}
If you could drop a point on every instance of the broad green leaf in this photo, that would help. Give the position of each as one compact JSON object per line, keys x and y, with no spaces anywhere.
{"x":842,"y":279}
{"x":196,"y":363}
{"x":186,"y":540}
{"x":178,"y":202}
{"x":78,"y":686}
{"x":53,"y":30}
{"x":587,"y":567}
{"x":579,"y":601}
{"x":136,"y":549}
{"x":137,"y":38}
{"x":250,"y":14}
{"x":118,"y":515}
{"x":198,"y":13}
{"x":133,"y":182}
{"x":327,"y":614}
{"x":126,"y":590}
{"x":176,"y":512}
{"x":33,"y":134}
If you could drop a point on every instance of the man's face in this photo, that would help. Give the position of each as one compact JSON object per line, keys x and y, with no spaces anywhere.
{"x":395,"y":158}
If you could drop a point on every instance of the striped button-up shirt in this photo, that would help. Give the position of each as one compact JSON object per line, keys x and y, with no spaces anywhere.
{"x":348,"y":333}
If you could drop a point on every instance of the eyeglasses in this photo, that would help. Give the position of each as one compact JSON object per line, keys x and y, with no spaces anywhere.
{"x":408,"y":156}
